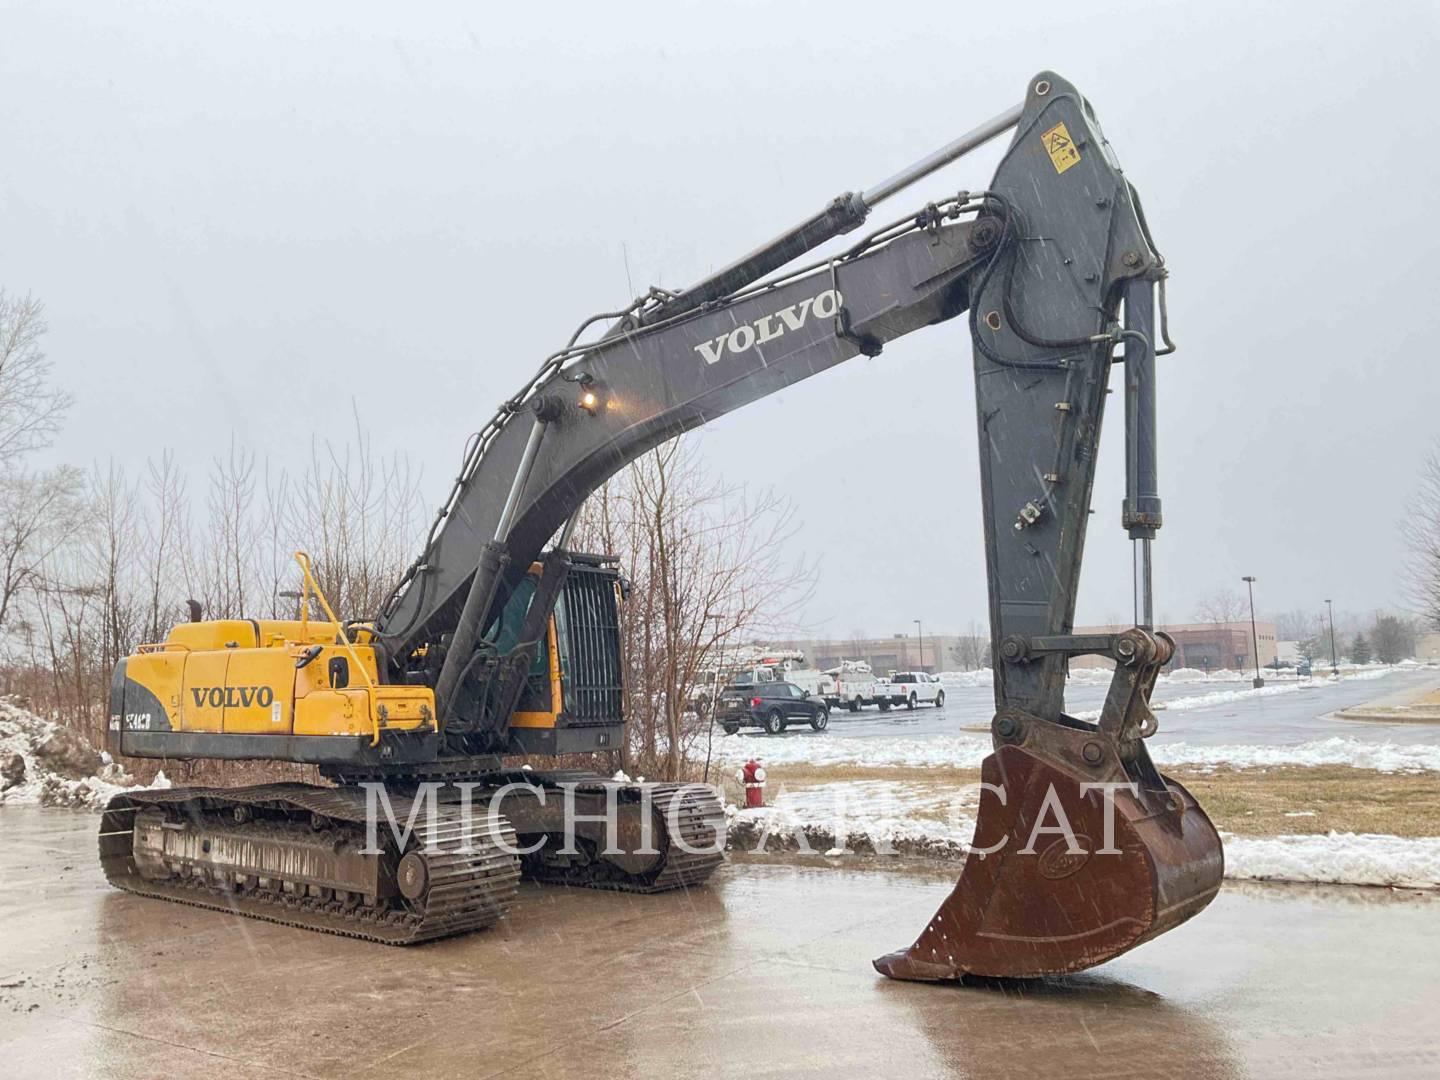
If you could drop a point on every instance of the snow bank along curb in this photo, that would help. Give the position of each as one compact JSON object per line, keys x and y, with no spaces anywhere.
{"x":1334,"y":858}
{"x":967,"y":752}
{"x":43,"y":762}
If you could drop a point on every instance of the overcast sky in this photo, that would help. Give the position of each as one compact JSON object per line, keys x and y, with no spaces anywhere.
{"x":241,"y":217}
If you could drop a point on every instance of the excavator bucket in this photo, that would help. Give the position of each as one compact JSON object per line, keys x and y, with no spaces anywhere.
{"x":1067,"y":870}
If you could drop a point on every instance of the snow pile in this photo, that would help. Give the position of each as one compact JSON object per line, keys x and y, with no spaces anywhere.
{"x":810,"y":827}
{"x":1184,"y":675}
{"x":968,"y":751}
{"x":43,"y":762}
{"x":1336,"y":858}
{"x":872,"y":818}
{"x":1383,"y":757}
{"x":985,"y":677}
{"x":961,"y":680}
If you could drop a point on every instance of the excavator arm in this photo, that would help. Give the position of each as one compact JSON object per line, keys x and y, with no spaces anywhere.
{"x":1091,"y":851}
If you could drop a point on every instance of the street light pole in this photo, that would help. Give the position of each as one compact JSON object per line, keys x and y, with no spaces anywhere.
{"x":1334,"y":665}
{"x":1254,"y":636}
{"x":921,"y":631}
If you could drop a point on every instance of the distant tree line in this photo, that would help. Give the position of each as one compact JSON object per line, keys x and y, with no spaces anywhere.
{"x":95,"y":562}
{"x":1421,"y":530}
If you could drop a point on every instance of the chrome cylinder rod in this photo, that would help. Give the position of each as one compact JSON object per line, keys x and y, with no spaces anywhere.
{"x":1144,"y":585}
{"x":522,"y":474}
{"x":1141,"y":512}
{"x":951,"y":151}
{"x":845,"y":212}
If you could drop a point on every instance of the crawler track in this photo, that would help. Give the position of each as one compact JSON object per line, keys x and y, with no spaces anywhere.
{"x":686,"y":816}
{"x":462,"y":880}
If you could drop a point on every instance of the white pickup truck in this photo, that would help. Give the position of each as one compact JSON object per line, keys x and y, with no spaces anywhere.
{"x":909,"y":688}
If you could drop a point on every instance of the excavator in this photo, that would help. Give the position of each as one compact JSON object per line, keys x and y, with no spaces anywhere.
{"x":500,"y":640}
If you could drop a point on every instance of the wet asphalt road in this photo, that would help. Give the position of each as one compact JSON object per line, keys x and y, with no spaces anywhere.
{"x":1282,"y":719}
{"x":764,"y":972}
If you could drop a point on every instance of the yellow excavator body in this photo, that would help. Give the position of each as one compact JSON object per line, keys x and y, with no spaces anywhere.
{"x":268,"y":677}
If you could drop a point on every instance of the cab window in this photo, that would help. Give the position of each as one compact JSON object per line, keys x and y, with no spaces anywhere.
{"x":504,"y":634}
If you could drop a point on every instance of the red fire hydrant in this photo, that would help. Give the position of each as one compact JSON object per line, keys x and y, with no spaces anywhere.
{"x":752,"y":776}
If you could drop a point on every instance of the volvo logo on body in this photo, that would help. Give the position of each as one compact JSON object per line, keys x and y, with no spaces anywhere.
{"x":824,"y":305}
{"x":232,"y":697}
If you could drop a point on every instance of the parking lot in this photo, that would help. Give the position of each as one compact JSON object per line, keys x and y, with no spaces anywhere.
{"x":764,"y":971}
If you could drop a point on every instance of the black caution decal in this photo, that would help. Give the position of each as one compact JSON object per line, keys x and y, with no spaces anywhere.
{"x":140,"y":710}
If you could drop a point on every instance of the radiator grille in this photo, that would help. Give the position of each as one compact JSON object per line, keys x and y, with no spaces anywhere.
{"x":588,"y":631}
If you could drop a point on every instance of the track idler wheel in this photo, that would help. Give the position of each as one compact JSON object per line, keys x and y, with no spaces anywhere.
{"x":1031,"y":902}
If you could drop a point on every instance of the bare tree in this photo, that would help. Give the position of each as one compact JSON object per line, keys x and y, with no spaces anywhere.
{"x":971,"y":649}
{"x":39,"y":512}
{"x":1220,"y":607}
{"x":63,"y":637}
{"x":30,"y":408}
{"x":857,"y":644}
{"x":229,"y":564}
{"x":357,"y":514}
{"x":1421,"y":530}
{"x":90,"y":571}
{"x":705,"y":562}
{"x":113,"y":548}
{"x":1294,"y":625}
{"x":165,"y":543}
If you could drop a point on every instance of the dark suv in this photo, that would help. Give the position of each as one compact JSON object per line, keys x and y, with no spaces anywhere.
{"x":772,"y":706}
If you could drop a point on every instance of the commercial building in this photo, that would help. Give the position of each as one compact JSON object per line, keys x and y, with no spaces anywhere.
{"x":1205,"y":646}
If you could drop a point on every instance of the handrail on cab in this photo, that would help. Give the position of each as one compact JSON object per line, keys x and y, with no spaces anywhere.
{"x":312,"y":586}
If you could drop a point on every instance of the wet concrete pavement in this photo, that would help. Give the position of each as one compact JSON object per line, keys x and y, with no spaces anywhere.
{"x":765,"y":972}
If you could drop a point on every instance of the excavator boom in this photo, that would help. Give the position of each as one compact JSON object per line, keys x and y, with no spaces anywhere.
{"x":1082,"y":848}
{"x":1057,"y":249}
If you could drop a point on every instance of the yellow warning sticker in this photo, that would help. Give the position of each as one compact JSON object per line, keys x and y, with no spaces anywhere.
{"x":1061,"y":148}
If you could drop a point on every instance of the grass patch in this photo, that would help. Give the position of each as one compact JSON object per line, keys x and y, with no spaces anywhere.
{"x":1248,"y":802}
{"x":1253,"y":802}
